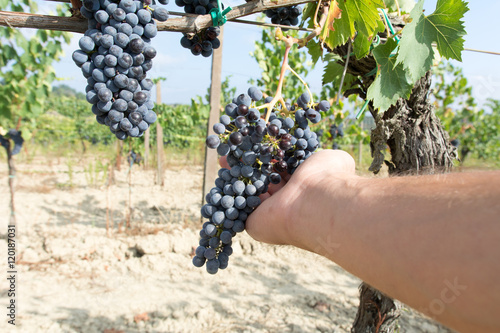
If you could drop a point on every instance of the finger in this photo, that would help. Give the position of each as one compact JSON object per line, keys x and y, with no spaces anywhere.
{"x":264,"y":224}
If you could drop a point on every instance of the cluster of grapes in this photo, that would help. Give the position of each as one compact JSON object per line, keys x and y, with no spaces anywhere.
{"x":15,"y":136}
{"x":336,"y":131}
{"x":319,"y":134}
{"x":134,"y":157}
{"x":202,"y":43}
{"x":200,"y":7}
{"x":257,"y":152}
{"x":115,"y":54}
{"x":284,"y":15}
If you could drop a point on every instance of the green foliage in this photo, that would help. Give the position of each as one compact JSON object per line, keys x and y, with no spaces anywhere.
{"x":68,"y":120}
{"x":355,"y":130}
{"x":358,"y":17}
{"x":399,"y":66}
{"x":183,"y":125}
{"x":397,"y":75}
{"x":315,"y":50}
{"x":363,"y":16}
{"x":186,"y":125}
{"x":477,"y":130}
{"x":226,"y":95}
{"x":488,"y":133}
{"x":332,"y":75}
{"x":269,"y":55}
{"x":26,"y":69}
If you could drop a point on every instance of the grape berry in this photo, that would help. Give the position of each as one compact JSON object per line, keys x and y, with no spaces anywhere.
{"x":257,"y":153}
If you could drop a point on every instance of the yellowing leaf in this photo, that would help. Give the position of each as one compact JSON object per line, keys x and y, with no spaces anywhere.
{"x":358,"y":16}
{"x":333,"y":13}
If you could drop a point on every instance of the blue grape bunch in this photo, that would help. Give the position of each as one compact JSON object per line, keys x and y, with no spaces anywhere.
{"x":133,"y":157}
{"x":284,"y":15}
{"x":203,"y":42}
{"x":15,"y":136}
{"x":200,"y":7}
{"x":335,"y":132}
{"x":257,"y":153}
{"x":115,"y":55}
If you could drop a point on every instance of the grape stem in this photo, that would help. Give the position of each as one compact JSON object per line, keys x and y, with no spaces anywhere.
{"x":397,"y":6}
{"x":345,"y":70}
{"x":278,"y":97}
{"x":318,"y":27}
{"x":289,"y":41}
{"x":303,"y":82}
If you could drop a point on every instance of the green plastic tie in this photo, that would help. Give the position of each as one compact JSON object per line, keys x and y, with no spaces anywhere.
{"x":375,"y":42}
{"x":372,"y":72}
{"x":362,"y":109}
{"x":219,"y":15}
{"x":391,"y":28}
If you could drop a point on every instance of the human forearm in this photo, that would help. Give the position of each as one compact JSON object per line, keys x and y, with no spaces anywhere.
{"x":412,"y":237}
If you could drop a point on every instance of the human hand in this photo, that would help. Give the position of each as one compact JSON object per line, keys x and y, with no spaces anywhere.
{"x":298,"y":210}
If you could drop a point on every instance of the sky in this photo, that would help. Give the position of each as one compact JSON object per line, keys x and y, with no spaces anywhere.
{"x":189,"y":76}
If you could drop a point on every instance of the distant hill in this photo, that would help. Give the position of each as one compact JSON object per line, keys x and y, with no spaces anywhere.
{"x":65,"y":90}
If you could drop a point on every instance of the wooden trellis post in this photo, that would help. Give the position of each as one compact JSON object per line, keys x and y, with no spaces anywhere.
{"x":211,"y":157}
{"x":159,"y":141}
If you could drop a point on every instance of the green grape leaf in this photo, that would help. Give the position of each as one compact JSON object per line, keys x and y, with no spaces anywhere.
{"x":444,"y":27}
{"x":364,"y":16}
{"x":361,"y":46}
{"x":392,"y":81}
{"x":333,"y":74}
{"x":308,"y":12}
{"x":357,"y":16}
{"x":404,"y":5}
{"x":341,"y":31}
{"x":315,"y":50}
